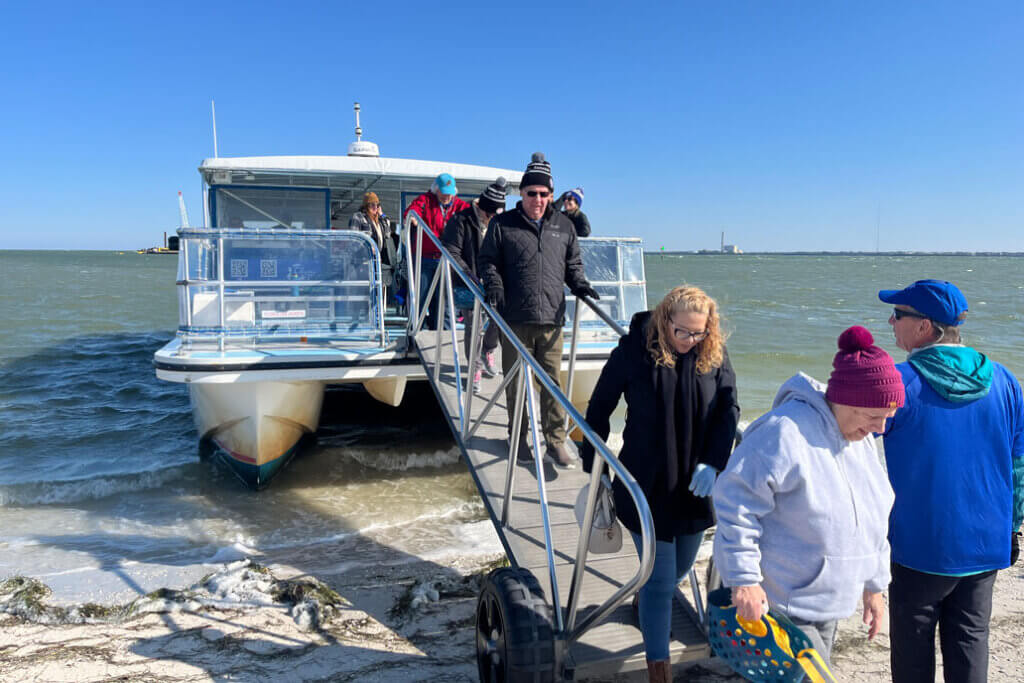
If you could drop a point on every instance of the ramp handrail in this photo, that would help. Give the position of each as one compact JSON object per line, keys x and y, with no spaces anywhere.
{"x":527,"y":369}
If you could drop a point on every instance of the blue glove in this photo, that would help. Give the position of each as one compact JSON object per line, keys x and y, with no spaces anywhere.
{"x":703,"y":479}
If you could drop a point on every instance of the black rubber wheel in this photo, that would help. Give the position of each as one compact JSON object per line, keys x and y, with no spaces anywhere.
{"x":514,"y":637}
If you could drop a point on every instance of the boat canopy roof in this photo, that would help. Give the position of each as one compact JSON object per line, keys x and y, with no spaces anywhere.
{"x":376,"y":167}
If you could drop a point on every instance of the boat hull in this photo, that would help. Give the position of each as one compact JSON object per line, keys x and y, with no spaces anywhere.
{"x":256,"y":426}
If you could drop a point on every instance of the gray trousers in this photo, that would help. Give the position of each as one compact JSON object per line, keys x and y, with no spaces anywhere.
{"x":822,"y":635}
{"x":544,"y":342}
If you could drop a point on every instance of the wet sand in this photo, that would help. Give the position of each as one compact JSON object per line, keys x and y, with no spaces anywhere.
{"x":407,"y":621}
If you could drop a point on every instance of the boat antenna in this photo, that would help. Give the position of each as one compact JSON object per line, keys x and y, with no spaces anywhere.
{"x":361,"y":148}
{"x":213,"y":111}
{"x":182,"y":211}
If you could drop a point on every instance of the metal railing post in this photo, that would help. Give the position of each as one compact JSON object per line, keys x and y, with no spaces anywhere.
{"x":538,"y":460}
{"x":513,"y":452}
{"x":413,"y":284}
{"x":473,"y":362}
{"x":419,"y":270}
{"x":220,"y":288}
{"x":456,"y":364}
{"x":583,"y":544}
{"x":572,"y":357}
{"x":697,"y":600}
{"x":439,"y":323}
{"x":183,"y":246}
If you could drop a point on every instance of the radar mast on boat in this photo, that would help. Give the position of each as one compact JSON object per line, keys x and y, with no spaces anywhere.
{"x":361,"y":148}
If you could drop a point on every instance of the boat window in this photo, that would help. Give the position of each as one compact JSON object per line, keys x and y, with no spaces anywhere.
{"x":615,"y":268}
{"x":279,"y":284}
{"x":234,"y":206}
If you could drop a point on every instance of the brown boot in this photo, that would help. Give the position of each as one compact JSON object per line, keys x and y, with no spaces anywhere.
{"x":659,"y":671}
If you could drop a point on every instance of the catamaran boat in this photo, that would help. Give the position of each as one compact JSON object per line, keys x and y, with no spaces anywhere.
{"x":275,"y":305}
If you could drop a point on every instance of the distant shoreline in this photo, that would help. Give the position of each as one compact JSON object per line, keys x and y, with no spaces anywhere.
{"x":838,"y":253}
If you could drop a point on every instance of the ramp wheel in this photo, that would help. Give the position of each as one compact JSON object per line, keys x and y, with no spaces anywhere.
{"x":514,"y":638}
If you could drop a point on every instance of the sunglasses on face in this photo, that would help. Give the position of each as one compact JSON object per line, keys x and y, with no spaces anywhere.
{"x":899,"y":314}
{"x":537,"y":193}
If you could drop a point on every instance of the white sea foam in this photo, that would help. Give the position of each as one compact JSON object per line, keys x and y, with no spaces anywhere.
{"x":464,"y":510}
{"x":232,"y":553}
{"x":48,"y":493}
{"x":398,"y":461}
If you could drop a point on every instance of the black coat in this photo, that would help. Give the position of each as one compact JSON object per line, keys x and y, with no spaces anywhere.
{"x":462,"y":237}
{"x":579,"y":219}
{"x":582,"y":223}
{"x":531,"y":266}
{"x":630,"y":370}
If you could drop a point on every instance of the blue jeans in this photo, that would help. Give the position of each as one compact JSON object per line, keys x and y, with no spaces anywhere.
{"x":672,"y":561}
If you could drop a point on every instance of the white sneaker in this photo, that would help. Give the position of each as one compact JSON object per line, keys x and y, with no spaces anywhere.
{"x":476,"y":382}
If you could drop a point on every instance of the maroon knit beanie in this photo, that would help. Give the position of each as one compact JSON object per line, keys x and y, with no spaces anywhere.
{"x":864,"y":375}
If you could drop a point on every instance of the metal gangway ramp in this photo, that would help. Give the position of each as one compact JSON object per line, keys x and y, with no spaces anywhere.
{"x":522,"y":634}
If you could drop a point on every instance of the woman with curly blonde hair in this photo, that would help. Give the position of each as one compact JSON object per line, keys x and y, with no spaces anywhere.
{"x":680,"y":390}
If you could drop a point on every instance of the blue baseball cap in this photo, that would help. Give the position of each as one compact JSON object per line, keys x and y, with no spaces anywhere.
{"x":941,"y":301}
{"x":445,"y":184}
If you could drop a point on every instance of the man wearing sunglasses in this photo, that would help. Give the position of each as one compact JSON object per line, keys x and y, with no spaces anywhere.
{"x":528,"y":257}
{"x":955,"y":457}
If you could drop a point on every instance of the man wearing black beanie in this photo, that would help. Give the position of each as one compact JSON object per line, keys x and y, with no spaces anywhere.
{"x":529,"y":254}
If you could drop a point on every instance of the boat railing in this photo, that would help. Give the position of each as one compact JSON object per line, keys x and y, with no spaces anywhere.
{"x":244,"y":286}
{"x":525,"y":371}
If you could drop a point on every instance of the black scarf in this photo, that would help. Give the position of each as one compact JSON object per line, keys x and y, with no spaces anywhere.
{"x":677,"y":388}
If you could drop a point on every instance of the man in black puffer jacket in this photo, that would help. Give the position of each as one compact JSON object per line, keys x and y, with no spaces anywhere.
{"x":528,"y":255}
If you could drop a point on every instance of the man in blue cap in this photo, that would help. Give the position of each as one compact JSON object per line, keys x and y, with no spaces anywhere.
{"x":954,"y":453}
{"x":435,"y":208}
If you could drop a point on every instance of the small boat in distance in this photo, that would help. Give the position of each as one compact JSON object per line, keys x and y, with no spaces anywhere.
{"x":170,"y":246}
{"x":275,"y":305}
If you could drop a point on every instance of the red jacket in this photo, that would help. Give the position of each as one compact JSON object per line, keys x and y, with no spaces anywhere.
{"x":427,"y":206}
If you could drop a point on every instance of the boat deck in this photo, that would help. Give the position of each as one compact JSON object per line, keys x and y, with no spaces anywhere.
{"x":615,"y":644}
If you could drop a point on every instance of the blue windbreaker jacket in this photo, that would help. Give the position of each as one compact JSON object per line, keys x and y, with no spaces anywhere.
{"x":950,"y":453}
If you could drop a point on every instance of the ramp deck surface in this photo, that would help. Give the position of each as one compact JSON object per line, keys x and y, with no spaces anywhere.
{"x":616,"y":643}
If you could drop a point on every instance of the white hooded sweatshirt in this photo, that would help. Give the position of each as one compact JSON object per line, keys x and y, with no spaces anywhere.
{"x":803,"y":511}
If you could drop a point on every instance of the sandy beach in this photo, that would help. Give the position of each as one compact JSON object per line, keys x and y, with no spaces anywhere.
{"x":408,"y":621}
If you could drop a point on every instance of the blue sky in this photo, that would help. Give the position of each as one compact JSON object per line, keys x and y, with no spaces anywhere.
{"x":789,"y":125}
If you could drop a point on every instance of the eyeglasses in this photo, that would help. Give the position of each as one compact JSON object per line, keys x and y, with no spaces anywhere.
{"x":899,"y":314}
{"x":537,"y":193}
{"x":686,"y":335}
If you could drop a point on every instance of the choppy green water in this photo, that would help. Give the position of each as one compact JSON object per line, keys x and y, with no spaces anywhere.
{"x":784,"y":313}
{"x":98,"y":461}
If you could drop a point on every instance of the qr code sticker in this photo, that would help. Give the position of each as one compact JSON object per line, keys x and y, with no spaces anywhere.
{"x":239,"y":268}
{"x":268,"y":268}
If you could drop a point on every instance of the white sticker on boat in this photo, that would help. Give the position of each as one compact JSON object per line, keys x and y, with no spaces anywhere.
{"x":294,"y":313}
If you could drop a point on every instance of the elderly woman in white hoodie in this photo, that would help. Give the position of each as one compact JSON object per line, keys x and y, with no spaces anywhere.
{"x":803,"y":505}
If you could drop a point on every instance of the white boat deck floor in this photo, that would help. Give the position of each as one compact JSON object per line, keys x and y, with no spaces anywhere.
{"x":615,"y":644}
